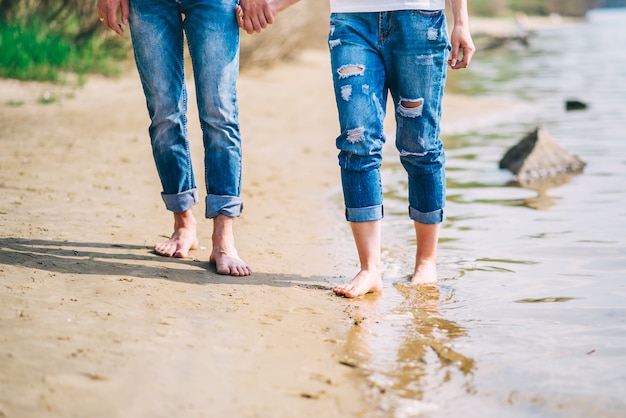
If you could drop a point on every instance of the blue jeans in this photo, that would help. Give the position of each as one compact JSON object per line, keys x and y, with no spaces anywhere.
{"x":405,"y":53}
{"x":157,"y":28}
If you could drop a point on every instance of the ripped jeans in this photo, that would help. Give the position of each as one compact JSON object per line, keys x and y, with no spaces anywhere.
{"x":405,"y":53}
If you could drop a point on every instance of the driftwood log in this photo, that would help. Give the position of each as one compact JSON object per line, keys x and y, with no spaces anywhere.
{"x":538,"y":156}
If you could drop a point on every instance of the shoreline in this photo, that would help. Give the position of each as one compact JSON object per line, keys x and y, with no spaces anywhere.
{"x":94,"y":324}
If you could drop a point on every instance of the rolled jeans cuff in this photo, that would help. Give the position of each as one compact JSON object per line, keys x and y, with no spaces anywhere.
{"x":434,"y":217}
{"x":180,"y":202}
{"x":223,"y":205}
{"x":367,"y":214}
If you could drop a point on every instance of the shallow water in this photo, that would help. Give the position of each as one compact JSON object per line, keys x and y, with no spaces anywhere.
{"x":530,"y":315}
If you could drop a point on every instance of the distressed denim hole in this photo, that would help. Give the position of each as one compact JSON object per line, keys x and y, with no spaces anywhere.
{"x":333,"y":43}
{"x":356,"y":135}
{"x":411,"y":108}
{"x":351,"y":70}
{"x":346,"y":92}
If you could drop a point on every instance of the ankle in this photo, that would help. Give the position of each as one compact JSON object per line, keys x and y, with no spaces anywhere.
{"x":374,"y":267}
{"x":425,"y":272}
{"x":184,"y":219}
{"x":426,"y":262}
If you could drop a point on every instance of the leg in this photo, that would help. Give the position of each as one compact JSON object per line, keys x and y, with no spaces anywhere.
{"x":183,"y":239}
{"x":427,"y":237}
{"x":360,"y":93}
{"x":224,"y":254}
{"x":417,"y":67}
{"x":369,"y":278}
{"x":213,"y":38}
{"x":157,"y":33}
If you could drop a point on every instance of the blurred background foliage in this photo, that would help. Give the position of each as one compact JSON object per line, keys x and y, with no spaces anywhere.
{"x":47,"y":39}
{"x":532,"y":7}
{"x":75,"y":19}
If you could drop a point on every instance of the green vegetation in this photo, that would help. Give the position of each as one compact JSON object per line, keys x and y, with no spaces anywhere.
{"x":44,"y":40}
{"x":533,"y":7}
{"x":487,"y":7}
{"x":34,"y":52}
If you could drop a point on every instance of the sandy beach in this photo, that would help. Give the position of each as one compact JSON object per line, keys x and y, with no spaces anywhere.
{"x":94,"y":324}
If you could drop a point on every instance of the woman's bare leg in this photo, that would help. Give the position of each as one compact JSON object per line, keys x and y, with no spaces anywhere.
{"x":367,"y":237}
{"x":427,"y":236}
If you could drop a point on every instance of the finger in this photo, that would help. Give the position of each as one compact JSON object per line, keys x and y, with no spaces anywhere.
{"x":263,"y":18}
{"x":248,"y":26}
{"x":125,"y":12}
{"x":269,"y":16}
{"x":260,"y":23}
{"x":239,"y":16}
{"x":114,"y":24}
{"x":252,"y":24}
{"x":458,"y":65}
{"x":461,"y":64}
{"x":110,"y":21}
{"x":454,"y":56}
{"x":468,"y":53}
{"x":101,"y":16}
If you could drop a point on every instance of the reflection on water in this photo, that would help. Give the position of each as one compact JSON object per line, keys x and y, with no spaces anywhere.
{"x":544,"y":300}
{"x":529,"y":319}
{"x":405,"y":349}
{"x":541,"y":186}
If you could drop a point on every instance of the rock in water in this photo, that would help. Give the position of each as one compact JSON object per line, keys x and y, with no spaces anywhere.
{"x":575,"y":105}
{"x":539,"y":155}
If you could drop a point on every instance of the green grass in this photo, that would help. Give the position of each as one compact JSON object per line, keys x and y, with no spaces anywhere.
{"x":486,"y":7}
{"x":33,"y":52}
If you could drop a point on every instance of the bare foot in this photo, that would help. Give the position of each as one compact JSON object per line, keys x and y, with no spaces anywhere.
{"x":224,"y":254}
{"x":228,"y":262}
{"x":425,"y":273}
{"x":183,"y":239}
{"x":364,"y":282}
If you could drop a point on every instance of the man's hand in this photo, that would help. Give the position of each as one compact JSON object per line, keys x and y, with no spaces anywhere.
{"x":254,"y":15}
{"x":107,"y":13}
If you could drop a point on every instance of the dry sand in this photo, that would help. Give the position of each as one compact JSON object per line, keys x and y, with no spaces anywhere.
{"x":93,"y":324}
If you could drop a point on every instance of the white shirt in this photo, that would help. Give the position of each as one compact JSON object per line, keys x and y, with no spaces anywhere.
{"x":362,"y":6}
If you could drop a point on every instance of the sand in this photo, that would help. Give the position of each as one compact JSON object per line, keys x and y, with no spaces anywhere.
{"x":94,"y":324}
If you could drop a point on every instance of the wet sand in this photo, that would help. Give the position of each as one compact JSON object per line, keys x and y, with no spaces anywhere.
{"x":92,"y":323}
